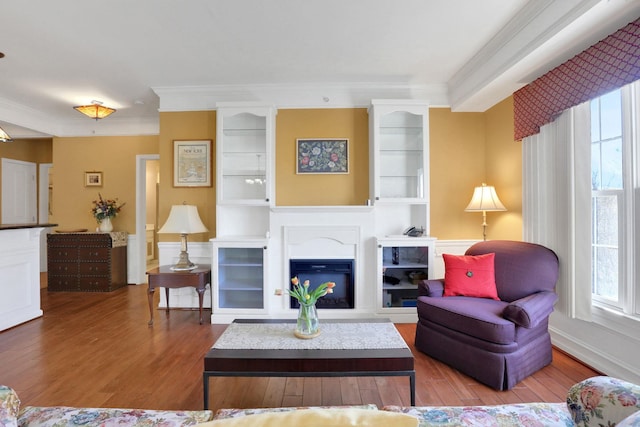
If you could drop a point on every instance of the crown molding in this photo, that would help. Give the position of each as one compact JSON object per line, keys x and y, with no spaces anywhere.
{"x":474,"y":87}
{"x":283,"y":96}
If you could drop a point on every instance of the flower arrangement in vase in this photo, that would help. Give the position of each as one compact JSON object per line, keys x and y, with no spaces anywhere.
{"x":103,"y":210}
{"x":308,"y":325}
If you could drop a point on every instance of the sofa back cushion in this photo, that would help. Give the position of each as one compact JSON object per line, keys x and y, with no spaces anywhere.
{"x":521,"y":268}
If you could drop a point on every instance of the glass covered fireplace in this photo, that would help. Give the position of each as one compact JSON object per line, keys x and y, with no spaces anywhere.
{"x":318,"y":271}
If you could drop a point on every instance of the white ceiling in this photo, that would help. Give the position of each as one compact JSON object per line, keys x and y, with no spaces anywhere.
{"x":145,"y":56}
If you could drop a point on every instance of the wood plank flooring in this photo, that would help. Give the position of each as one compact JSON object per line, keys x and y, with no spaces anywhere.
{"x":96,"y":350}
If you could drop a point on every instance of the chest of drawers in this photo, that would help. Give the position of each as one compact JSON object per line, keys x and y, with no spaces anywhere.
{"x":87,"y":262}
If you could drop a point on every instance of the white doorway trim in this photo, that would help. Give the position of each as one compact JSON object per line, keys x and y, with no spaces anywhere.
{"x":139,"y":244}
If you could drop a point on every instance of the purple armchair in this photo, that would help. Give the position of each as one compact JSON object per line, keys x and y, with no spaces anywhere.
{"x":499,"y":343}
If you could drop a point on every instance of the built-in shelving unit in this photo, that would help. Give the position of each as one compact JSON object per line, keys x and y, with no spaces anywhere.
{"x":402,"y":263}
{"x":245,"y":187}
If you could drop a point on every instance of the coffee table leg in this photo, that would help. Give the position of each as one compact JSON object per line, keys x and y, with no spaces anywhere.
{"x":412,"y":386}
{"x":205,"y":389}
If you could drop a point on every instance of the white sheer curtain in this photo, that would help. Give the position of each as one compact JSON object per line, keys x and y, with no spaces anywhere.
{"x":556,"y":205}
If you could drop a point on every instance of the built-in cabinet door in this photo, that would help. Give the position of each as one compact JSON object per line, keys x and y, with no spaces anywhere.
{"x":244,"y":155}
{"x":239,"y":277}
{"x":399,"y":151}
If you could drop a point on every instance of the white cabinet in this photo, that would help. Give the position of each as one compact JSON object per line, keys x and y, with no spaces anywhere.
{"x":245,"y":169}
{"x":238,"y":276}
{"x":399,"y":144}
{"x":245,"y":154}
{"x":402,"y":262}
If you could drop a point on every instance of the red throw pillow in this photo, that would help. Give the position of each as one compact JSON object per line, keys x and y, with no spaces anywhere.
{"x":470,"y":275}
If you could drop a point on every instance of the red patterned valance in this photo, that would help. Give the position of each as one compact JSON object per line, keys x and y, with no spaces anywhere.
{"x":605,"y":66}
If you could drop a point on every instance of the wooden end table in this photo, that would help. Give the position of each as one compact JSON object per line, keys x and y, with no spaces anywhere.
{"x":165,"y":277}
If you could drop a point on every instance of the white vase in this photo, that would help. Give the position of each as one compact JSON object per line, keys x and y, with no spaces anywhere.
{"x":105,"y":225}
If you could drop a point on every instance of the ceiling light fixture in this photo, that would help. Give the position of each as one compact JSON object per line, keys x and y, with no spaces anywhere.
{"x":4,"y":137}
{"x":96,"y":110}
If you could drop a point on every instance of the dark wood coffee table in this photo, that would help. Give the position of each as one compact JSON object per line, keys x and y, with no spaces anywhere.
{"x":309,"y":363}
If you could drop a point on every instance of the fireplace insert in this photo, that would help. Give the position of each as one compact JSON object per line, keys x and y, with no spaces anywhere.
{"x":318,"y":271}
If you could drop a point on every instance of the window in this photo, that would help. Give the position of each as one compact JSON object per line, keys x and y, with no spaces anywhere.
{"x":581,"y":197}
{"x":607,"y":185}
{"x":613,"y":176}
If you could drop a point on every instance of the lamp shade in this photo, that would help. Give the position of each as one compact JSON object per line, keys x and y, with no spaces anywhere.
{"x":485,"y":199}
{"x":4,"y":137}
{"x":183,"y":219}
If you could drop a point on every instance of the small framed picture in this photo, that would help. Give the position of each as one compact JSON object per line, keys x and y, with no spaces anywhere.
{"x":93,"y":179}
{"x":192,"y":163}
{"x":326,"y":155}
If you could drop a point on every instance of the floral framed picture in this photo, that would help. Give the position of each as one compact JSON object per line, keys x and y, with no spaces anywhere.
{"x":192,"y":163}
{"x":322,"y":155}
{"x":93,"y":179}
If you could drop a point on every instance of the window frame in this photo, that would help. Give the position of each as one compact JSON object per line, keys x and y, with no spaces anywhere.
{"x":616,"y":314}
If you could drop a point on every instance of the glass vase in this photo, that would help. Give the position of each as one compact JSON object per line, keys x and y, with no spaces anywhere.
{"x":105,"y":225}
{"x":308,"y":325}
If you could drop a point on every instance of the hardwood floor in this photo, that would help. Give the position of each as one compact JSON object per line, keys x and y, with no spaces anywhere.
{"x":96,"y":350}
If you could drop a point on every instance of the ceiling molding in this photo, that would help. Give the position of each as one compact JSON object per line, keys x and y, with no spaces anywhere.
{"x":535,"y":24}
{"x":283,"y":96}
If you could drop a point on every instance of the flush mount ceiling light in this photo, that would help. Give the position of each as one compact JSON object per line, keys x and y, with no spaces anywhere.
{"x":96,"y":110}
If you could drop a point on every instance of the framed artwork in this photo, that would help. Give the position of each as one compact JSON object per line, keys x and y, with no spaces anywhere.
{"x":322,"y":155}
{"x":192,"y":163}
{"x":93,"y":179}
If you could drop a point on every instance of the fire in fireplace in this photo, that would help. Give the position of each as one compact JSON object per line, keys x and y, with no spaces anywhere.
{"x":318,"y":271}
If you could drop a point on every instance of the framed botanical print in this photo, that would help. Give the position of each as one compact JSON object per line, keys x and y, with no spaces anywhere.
{"x":322,"y":155}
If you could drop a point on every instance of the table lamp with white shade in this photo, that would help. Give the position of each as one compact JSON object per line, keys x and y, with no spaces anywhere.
{"x":485,"y":199}
{"x":183,"y":219}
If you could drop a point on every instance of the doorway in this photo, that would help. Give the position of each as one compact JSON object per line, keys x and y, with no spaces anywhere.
{"x":147,"y":181}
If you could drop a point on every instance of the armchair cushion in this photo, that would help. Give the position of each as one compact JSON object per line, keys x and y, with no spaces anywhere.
{"x":477,"y":317}
{"x":471,"y":276}
{"x":529,"y":311}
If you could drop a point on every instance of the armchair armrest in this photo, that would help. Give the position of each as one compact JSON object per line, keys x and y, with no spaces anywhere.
{"x":431,"y":288}
{"x":9,"y":407}
{"x":602,"y":401}
{"x":529,"y":311}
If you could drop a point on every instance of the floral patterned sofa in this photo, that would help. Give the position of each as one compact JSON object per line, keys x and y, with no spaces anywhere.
{"x":597,"y":401}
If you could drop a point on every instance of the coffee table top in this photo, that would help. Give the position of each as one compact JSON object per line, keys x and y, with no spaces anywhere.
{"x":335,"y":335}
{"x":300,"y":359}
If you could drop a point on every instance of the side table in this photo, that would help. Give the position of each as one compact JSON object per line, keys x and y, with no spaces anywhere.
{"x":164,"y":277}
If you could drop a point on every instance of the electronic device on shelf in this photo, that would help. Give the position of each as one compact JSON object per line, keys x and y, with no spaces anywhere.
{"x":414,"y":232}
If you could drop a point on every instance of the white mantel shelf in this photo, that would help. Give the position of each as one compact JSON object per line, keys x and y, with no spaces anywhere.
{"x":322,"y":209}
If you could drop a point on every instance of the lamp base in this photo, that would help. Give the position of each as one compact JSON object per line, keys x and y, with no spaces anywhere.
{"x":183,"y":263}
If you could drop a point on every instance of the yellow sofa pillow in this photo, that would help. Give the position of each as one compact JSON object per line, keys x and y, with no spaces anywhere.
{"x":340,"y":417}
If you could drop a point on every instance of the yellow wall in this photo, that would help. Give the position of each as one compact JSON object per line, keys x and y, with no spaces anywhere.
{"x":466,"y":149}
{"x":325,"y":189}
{"x":115,"y":157}
{"x":192,"y":125}
{"x":27,"y":150}
{"x":504,"y":171}
{"x":457,"y":165}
